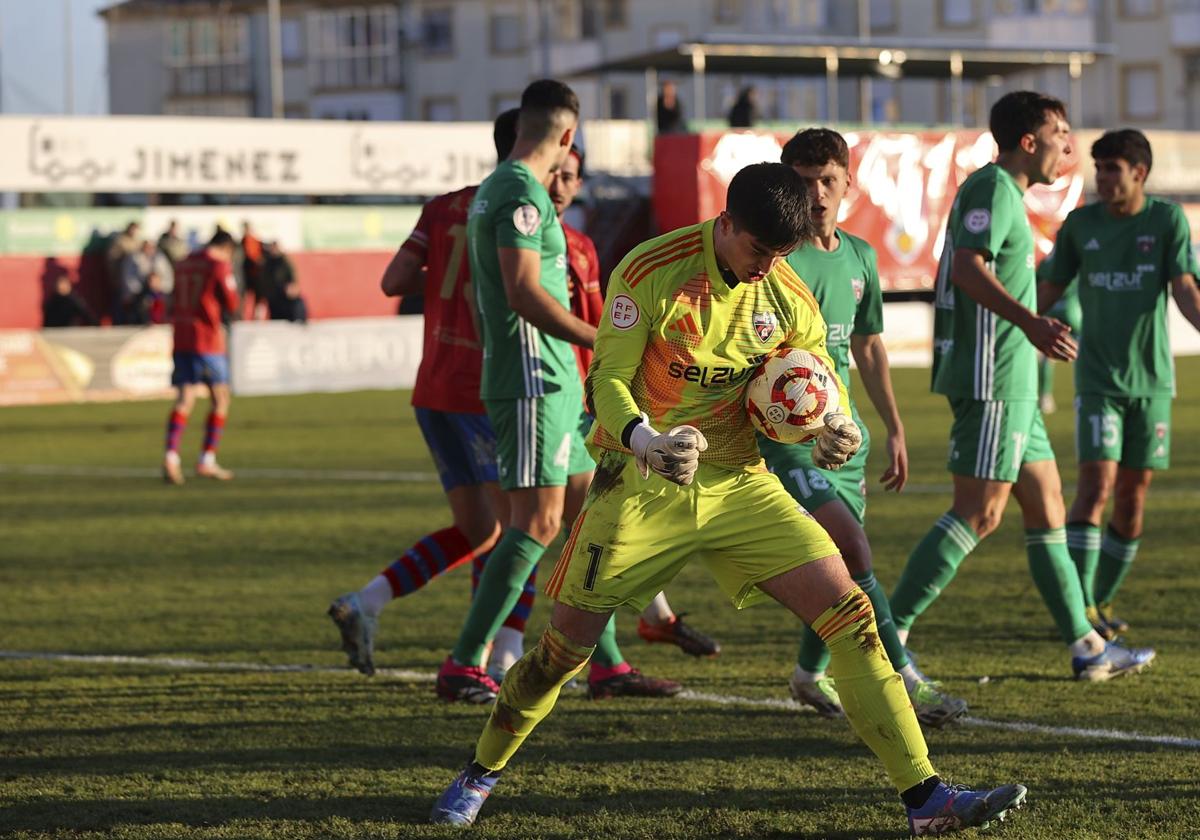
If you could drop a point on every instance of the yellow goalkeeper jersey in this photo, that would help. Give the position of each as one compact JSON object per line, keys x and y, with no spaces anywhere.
{"x":676,"y":342}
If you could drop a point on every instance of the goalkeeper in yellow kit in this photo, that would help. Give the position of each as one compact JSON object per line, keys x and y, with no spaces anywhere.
{"x":688,"y":317}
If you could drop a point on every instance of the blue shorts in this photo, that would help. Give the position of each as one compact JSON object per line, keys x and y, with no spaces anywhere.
{"x":463,"y":446}
{"x":197,"y":368}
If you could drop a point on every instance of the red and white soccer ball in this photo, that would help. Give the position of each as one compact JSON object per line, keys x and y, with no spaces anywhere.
{"x":790,"y":394}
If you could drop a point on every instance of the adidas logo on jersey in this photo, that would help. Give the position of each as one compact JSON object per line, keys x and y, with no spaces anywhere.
{"x":1092,"y":245}
{"x":685,"y":325}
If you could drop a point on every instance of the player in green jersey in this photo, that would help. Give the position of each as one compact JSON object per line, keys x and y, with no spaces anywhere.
{"x":986,"y":337}
{"x":1127,"y":250}
{"x":1067,"y":311}
{"x":689,"y":317}
{"x":530,"y":384}
{"x":840,"y":269}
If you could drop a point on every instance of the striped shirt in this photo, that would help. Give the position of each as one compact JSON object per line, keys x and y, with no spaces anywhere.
{"x":676,"y":342}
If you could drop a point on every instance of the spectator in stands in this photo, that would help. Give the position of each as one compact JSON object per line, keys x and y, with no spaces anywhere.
{"x":64,"y":308}
{"x":253,"y":260}
{"x":121,"y":246}
{"x":172,"y":244}
{"x":151,"y":305}
{"x":670,"y":111}
{"x":277,"y":271}
{"x":289,"y":305}
{"x":136,"y":272}
{"x":744,"y":113}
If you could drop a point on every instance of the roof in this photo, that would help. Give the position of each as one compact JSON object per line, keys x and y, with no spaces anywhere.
{"x":800,"y":56}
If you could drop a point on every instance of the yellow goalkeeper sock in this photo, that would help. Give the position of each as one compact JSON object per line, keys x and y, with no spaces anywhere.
{"x":873,"y":694}
{"x":527,"y":695}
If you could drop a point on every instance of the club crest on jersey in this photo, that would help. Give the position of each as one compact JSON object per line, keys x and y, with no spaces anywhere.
{"x":764,"y":325}
{"x":858,"y":284}
{"x":527,"y":219}
{"x":1145,"y":243}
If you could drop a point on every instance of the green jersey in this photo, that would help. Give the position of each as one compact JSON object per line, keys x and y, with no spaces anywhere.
{"x":513,"y":210}
{"x":976,"y":353}
{"x":845,"y":283}
{"x":1125,"y":267}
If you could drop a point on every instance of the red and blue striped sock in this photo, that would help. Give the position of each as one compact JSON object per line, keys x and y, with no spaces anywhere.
{"x":431,"y":556}
{"x":212,"y":432}
{"x":175,"y":425}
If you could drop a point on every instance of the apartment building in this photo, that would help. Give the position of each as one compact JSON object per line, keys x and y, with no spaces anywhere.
{"x":469,"y":59}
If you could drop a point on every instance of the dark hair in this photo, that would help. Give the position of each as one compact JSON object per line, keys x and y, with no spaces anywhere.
{"x":816,"y":147}
{"x":504,"y":132}
{"x":220,"y":239}
{"x":541,"y":103}
{"x":1019,"y":113}
{"x":1128,"y":144}
{"x":770,"y":202}
{"x":579,"y":155}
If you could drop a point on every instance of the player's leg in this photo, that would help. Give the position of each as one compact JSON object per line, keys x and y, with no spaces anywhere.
{"x":1039,"y":492}
{"x":459,"y":445}
{"x":982,"y":464}
{"x":186,"y":378}
{"x":216,"y":374}
{"x":1098,"y":444}
{"x":1146,"y":448}
{"x":752,"y":524}
{"x":595,"y":574}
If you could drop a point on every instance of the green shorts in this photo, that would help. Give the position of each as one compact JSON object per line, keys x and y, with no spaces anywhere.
{"x":1133,"y":431}
{"x":813,"y":487}
{"x":535,"y":438}
{"x":635,"y":534}
{"x":992,"y":438}
{"x":581,"y":459}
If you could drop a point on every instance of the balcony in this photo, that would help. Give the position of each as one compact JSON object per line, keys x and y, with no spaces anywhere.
{"x":1059,"y":30}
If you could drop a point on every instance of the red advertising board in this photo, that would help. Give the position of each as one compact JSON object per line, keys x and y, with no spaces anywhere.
{"x":902,"y":185}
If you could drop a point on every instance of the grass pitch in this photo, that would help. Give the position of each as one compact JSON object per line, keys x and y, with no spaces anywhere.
{"x":115,"y":563}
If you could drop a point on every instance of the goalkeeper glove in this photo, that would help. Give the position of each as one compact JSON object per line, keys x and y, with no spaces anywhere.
{"x":674,"y":455}
{"x":837,"y":442}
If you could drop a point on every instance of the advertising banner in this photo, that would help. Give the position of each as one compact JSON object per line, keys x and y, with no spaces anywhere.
{"x":902,"y":185}
{"x":84,"y":364}
{"x":275,"y":157}
{"x":277,"y":357}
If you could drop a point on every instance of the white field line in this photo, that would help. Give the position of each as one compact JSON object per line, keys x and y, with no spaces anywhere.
{"x":383,"y":476}
{"x":403,"y":675}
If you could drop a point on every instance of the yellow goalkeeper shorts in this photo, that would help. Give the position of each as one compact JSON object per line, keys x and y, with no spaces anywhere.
{"x":635,"y":534}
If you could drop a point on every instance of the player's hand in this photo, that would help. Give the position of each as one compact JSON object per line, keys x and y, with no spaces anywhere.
{"x":896,"y":475}
{"x":837,"y":442}
{"x":674,"y":455}
{"x":1052,"y":337}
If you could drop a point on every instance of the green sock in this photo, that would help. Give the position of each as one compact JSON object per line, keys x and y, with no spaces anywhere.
{"x":814,"y":655}
{"x":608,"y":654}
{"x":931,"y":567}
{"x":504,"y":576}
{"x":1057,"y":580}
{"x":1083,"y":541}
{"x":1116,"y":559}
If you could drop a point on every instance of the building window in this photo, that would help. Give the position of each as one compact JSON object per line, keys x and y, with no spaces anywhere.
{"x":502,"y":102}
{"x":618,"y":103}
{"x":291,"y":39}
{"x":727,"y":11}
{"x":437,"y":30}
{"x":883,"y":15}
{"x":796,"y":14}
{"x":1141,"y":92}
{"x":355,"y":47}
{"x":208,"y":56}
{"x":507,"y":32}
{"x":589,"y":19}
{"x":1140,"y":8}
{"x":439,"y":109}
{"x":957,"y":13}
{"x":616,"y":14}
